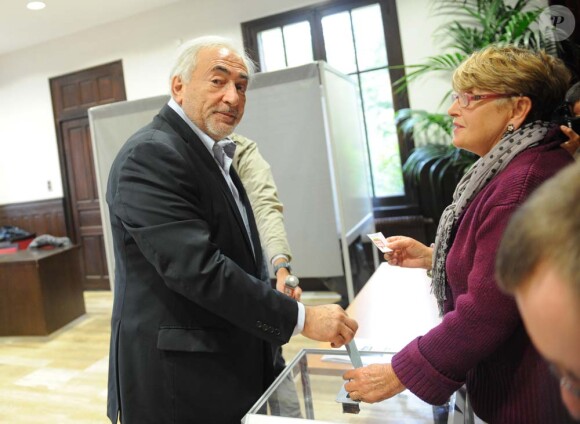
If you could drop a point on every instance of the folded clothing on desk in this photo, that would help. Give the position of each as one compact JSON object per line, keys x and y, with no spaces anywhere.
{"x":11,"y":235}
{"x":46,"y":240}
{"x":8,"y":247}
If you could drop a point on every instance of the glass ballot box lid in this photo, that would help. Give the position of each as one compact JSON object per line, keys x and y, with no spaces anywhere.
{"x":310,"y":389}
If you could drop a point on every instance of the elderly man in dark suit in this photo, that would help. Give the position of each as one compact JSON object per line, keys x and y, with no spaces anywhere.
{"x":194,"y":327}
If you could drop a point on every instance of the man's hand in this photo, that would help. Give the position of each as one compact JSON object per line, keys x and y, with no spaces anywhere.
{"x":373,"y":383}
{"x":573,"y":142}
{"x":329,"y":323}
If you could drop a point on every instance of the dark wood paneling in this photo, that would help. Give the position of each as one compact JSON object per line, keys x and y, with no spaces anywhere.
{"x":72,"y":96}
{"x":75,"y":93}
{"x":41,"y":217}
{"x":94,"y":264}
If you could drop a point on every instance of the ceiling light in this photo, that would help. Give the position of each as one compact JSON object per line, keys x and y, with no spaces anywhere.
{"x":36,"y":5}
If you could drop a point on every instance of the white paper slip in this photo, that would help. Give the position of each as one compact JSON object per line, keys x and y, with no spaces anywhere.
{"x":377,"y":358}
{"x":379,"y":240}
{"x":363,"y":345}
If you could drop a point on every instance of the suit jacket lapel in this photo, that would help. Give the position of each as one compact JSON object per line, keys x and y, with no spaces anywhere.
{"x":189,"y":136}
{"x":251,"y":221}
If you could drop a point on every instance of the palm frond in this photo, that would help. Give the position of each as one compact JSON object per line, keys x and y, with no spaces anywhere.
{"x":421,"y":155}
{"x":475,"y":24}
{"x":464,"y":39}
{"x":437,"y":125}
{"x":446,"y":62}
{"x":518,"y":26}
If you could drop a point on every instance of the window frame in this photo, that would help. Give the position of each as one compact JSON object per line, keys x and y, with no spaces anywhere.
{"x":383,"y":206}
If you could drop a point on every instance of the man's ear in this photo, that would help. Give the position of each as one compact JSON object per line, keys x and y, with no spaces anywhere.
{"x":177,"y":89}
{"x":522,"y":107}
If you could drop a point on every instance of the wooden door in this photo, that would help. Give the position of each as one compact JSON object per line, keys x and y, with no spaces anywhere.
{"x":72,"y":96}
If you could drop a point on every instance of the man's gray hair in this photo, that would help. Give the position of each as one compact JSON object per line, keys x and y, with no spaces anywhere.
{"x":187,"y":59}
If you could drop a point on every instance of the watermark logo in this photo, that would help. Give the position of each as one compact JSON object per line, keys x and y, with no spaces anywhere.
{"x":557,"y":22}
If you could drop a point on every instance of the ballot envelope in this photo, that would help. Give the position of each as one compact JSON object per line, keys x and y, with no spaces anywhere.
{"x":310,"y":389}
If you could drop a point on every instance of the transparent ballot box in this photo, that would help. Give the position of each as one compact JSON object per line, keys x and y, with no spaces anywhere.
{"x":310,"y":389}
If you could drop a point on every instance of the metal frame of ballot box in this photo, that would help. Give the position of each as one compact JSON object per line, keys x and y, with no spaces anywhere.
{"x":316,"y":375}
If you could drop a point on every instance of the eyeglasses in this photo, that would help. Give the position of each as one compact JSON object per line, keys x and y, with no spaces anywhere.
{"x":567,"y":381}
{"x":466,"y":98}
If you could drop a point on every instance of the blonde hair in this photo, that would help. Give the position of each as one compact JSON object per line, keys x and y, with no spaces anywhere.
{"x":510,"y":69}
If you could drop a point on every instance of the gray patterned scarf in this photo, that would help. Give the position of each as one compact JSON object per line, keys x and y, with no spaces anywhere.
{"x":481,"y":173}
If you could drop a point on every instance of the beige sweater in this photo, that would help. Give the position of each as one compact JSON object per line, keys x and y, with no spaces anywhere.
{"x":258,"y":181}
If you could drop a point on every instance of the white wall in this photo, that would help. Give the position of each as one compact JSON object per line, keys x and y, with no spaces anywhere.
{"x":418,"y":23}
{"x":146,"y":44}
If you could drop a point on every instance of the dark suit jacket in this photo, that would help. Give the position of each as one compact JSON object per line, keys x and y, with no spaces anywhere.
{"x":193,"y":326}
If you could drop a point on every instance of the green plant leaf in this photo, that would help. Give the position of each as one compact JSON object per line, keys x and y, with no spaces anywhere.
{"x":475,"y":24}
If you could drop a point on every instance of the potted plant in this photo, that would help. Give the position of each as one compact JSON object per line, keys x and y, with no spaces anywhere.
{"x":435,"y":166}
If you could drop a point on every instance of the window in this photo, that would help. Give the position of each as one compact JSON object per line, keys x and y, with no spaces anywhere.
{"x":282,"y":47}
{"x":359,"y":38}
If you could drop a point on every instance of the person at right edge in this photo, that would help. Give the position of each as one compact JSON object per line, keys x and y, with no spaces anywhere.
{"x":504,"y":98}
{"x":572,"y":102}
{"x":538,"y":263}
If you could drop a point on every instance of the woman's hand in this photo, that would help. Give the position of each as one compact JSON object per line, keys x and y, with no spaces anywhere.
{"x":408,"y":253}
{"x":373,"y":383}
{"x":573,"y":142}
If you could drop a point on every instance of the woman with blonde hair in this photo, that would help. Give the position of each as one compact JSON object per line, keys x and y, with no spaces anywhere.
{"x":504,"y":97}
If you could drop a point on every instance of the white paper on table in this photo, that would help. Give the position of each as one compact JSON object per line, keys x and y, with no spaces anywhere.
{"x":363,"y":345}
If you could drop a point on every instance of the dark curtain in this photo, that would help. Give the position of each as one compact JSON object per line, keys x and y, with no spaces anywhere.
{"x":570,"y":53}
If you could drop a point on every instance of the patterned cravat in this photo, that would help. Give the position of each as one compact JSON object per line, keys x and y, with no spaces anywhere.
{"x":223,"y":148}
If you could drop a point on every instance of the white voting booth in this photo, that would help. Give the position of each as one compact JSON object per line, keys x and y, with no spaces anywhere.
{"x":306,"y":121}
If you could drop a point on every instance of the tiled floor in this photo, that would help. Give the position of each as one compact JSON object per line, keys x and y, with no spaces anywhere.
{"x":62,"y":378}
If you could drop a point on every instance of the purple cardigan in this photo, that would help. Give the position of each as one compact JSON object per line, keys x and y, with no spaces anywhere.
{"x":481,"y":340}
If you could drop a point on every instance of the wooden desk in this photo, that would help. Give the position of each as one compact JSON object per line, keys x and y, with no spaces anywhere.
{"x":40,"y":291}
